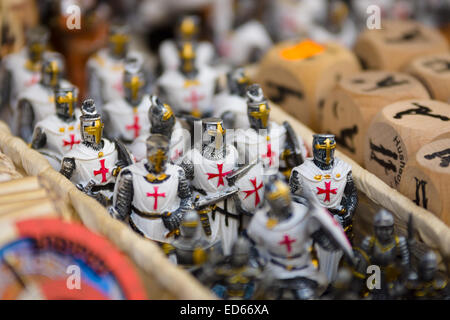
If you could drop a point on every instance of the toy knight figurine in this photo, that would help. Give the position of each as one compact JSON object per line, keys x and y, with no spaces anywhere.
{"x":427,"y":283}
{"x":330,"y":180}
{"x":162,"y":121}
{"x":154,"y":193}
{"x":38,"y":101}
{"x":127,"y":117}
{"x":222,"y":191}
{"x":231,"y":105}
{"x":283,"y":232}
{"x":94,"y":163}
{"x":58,"y":133}
{"x":388,"y":251}
{"x":191,"y":250}
{"x":22,"y":69}
{"x":190,"y":89}
{"x":105,"y":68}
{"x":187,"y":30}
{"x":233,"y":277}
{"x":277,"y":147}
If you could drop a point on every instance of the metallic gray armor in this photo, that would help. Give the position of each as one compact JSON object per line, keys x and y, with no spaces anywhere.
{"x":161,"y":117}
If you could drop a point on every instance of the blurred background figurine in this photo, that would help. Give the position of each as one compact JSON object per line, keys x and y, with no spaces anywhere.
{"x":127,"y":117}
{"x":162,"y":121}
{"x":330,"y":180}
{"x":22,"y":69}
{"x":187,"y":30}
{"x":56,"y":134}
{"x":283,"y":232}
{"x":189,"y":89}
{"x":388,"y":251}
{"x":153,"y":193}
{"x":93,"y":164}
{"x":38,"y":101}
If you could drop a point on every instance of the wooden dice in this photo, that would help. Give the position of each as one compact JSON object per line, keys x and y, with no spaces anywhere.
{"x":396,"y":44}
{"x":298,"y":76}
{"x":350,"y":107}
{"x":426,"y":180}
{"x":398,"y":131}
{"x":434,"y":72}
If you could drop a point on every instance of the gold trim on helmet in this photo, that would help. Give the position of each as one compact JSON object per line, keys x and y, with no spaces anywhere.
{"x":168,"y":114}
{"x":119,"y":41}
{"x":157,"y":159}
{"x":53,"y":70}
{"x":281,"y":191}
{"x":262,"y":114}
{"x":95,"y":130}
{"x":328,"y":146}
{"x":218,"y":134}
{"x":134,"y":85}
{"x":69,"y":98}
{"x":188,"y":27}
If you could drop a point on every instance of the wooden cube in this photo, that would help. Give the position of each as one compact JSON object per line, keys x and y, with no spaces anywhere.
{"x":396,"y":44}
{"x":426,"y":180}
{"x":434,"y":72}
{"x":351,"y":106}
{"x":398,"y":131}
{"x":298,"y":76}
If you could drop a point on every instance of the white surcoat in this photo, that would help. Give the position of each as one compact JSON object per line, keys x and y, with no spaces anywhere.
{"x":170,"y":60}
{"x":126,"y":122}
{"x":232,"y":103}
{"x":209,"y":176}
{"x":151,"y":197}
{"x":61,"y":137}
{"x":185,"y":95}
{"x":285,"y":246}
{"x":328,"y":186}
{"x":92,"y":164}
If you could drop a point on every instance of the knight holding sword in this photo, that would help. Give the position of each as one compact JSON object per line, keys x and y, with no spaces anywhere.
{"x":153,"y":194}
{"x":223,"y":192}
{"x":94,"y":164}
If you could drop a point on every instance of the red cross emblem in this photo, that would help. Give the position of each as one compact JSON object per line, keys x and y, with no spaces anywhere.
{"x":119,"y":87}
{"x":220,"y":175}
{"x":135,"y":126}
{"x":287,"y":242}
{"x":176,"y":154}
{"x":71,"y":142}
{"x":103,"y":170}
{"x":254,"y":190}
{"x":155,"y":195}
{"x":269,"y":154}
{"x":34,"y":79}
{"x":327,"y":191}
{"x":194,"y":99}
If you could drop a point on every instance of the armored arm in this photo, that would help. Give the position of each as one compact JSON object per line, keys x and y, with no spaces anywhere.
{"x":26,"y":119}
{"x":184,"y":191}
{"x":67,"y":167}
{"x":366,"y":245}
{"x":188,"y":167}
{"x":123,"y":196}
{"x":322,"y":239}
{"x":39,"y":139}
{"x":404,"y":252}
{"x":296,"y":183}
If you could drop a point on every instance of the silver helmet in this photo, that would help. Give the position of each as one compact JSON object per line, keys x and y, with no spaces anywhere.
{"x":162,"y":119}
{"x":189,"y":224}
{"x":384,"y":225}
{"x":37,"y":39}
{"x":277,"y":194}
{"x":323,"y":146}
{"x":118,"y":40}
{"x":213,"y":136}
{"x":134,"y":81}
{"x":91,"y":125}
{"x":157,"y":152}
{"x":238,"y":81}
{"x":428,"y":266}
{"x":66,"y":103}
{"x":258,"y":109}
{"x":52,"y":69}
{"x":240,"y":253}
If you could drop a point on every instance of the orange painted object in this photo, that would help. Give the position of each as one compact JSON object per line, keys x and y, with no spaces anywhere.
{"x":302,"y":50}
